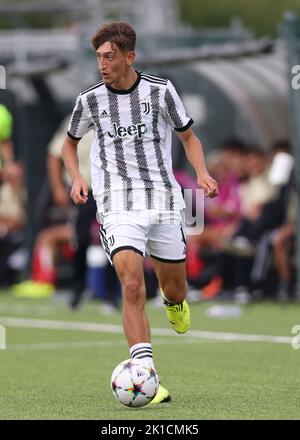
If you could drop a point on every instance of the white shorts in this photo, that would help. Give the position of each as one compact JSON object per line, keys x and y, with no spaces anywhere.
{"x":159,"y":235}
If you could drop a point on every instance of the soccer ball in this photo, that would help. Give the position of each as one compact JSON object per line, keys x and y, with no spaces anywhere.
{"x":134,"y":383}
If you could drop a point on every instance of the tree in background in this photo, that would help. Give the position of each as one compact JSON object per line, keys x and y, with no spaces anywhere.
{"x":260,"y":16}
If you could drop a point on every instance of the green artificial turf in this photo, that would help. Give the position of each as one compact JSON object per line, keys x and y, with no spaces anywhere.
{"x":65,"y":374}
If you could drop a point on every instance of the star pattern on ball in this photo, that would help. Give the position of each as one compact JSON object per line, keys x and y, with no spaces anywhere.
{"x":136,"y":390}
{"x":115,"y":387}
{"x":127,"y":366}
{"x":152,"y":373}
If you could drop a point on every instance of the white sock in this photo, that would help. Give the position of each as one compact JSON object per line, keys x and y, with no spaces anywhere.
{"x":142,"y":350}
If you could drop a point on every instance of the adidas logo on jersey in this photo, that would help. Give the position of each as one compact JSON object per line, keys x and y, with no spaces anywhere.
{"x":132,"y":130}
{"x":104,"y":114}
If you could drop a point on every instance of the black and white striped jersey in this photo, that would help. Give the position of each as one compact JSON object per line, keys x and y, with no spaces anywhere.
{"x":131,"y":164}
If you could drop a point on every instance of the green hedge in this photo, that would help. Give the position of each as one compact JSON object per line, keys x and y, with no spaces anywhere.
{"x":260,"y":16}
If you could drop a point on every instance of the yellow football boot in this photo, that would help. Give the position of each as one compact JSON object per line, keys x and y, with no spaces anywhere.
{"x":161,"y":396}
{"x":179,"y":316}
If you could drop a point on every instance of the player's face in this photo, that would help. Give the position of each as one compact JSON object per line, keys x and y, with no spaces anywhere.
{"x":113,"y":64}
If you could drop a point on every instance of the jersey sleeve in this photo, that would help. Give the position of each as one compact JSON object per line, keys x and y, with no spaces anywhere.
{"x":175,"y":111}
{"x":80,"y":121}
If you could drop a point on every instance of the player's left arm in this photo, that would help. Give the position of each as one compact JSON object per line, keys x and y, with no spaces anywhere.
{"x":194,"y":152}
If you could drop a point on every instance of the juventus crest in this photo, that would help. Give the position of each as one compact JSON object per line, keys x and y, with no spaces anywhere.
{"x":146,"y":107}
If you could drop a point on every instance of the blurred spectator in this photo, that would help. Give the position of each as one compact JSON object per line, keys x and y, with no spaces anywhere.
{"x":233,"y":153}
{"x":257,"y":189}
{"x":222,"y":218}
{"x":58,"y":236}
{"x":8,"y":167}
{"x":257,"y":195}
{"x":222,"y":214}
{"x":275,"y":246}
{"x":12,"y":197}
{"x":71,"y":233}
{"x":12,"y":223}
{"x":84,"y":214}
{"x":245,"y":222}
{"x":56,"y":230}
{"x":265,"y":200}
{"x":282,"y":241}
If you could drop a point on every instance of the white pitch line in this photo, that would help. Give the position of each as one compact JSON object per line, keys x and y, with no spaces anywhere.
{"x":118,"y":329}
{"x":92,"y":344}
{"x":21,"y":309}
{"x":62,"y":345}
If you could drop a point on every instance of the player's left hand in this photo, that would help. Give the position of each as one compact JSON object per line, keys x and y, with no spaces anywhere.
{"x":209,"y":185}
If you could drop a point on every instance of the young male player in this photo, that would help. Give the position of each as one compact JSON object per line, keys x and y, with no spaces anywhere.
{"x":138,"y":199}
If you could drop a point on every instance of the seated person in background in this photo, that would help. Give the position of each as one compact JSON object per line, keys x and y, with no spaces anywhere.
{"x":222,"y":214}
{"x":276,"y":229}
{"x":12,"y":198}
{"x":55,"y":238}
{"x":8,"y":164}
{"x":264,"y":204}
{"x":222,"y":217}
{"x":257,"y":190}
{"x":282,"y":242}
{"x":12,"y":223}
{"x":257,"y":193}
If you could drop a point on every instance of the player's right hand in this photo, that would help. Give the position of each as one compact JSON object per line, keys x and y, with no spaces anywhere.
{"x":79,"y":192}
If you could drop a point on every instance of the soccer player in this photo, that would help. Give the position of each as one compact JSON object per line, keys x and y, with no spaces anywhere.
{"x":139,"y":202}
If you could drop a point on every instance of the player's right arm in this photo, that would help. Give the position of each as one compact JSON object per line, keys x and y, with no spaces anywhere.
{"x":79,"y":191}
{"x":79,"y":125}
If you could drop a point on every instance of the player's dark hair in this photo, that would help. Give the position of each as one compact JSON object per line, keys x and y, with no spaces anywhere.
{"x":117,"y":32}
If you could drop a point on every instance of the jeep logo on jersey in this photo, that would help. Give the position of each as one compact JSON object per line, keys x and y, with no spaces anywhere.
{"x":132,"y":130}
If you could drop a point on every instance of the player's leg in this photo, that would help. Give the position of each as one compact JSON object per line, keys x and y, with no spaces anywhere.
{"x":129,"y":267}
{"x":172,"y":281}
{"x":167,"y":247}
{"x":124,"y":244}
